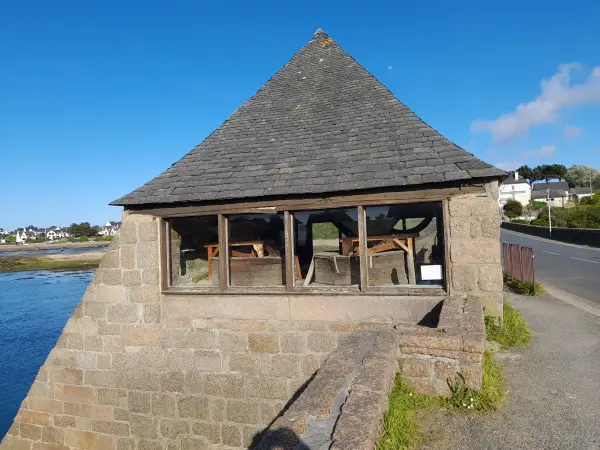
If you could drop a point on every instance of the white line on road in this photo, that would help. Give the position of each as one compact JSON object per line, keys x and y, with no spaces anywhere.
{"x":586,"y":260}
{"x":552,"y":253}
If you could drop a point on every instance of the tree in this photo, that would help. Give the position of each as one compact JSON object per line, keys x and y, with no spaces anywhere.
{"x":81,"y":229}
{"x":537,"y":174}
{"x":10,"y":239}
{"x":560,"y":171}
{"x":545,"y":172}
{"x":579,"y":176}
{"x":513,"y":209}
{"x":526,"y":173}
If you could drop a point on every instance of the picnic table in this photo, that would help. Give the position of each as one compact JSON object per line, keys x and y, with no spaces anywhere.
{"x":213,"y":250}
{"x":404,"y":241}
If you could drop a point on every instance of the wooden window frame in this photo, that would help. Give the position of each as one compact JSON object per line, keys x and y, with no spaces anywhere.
{"x":290,"y":281}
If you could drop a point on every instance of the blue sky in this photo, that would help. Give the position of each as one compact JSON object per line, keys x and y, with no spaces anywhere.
{"x":97,"y":98}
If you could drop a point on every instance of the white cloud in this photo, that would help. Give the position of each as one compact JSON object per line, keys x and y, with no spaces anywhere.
{"x":390,"y":67}
{"x":558,"y":93}
{"x":508,"y":165}
{"x":572,"y":131}
{"x":543,"y":152}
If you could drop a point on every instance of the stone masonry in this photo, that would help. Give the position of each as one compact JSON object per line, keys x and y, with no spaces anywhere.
{"x":476,"y":270}
{"x":343,"y":406}
{"x":135,"y":369}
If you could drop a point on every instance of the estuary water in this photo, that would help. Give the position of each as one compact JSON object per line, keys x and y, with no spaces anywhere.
{"x":34,"y":307}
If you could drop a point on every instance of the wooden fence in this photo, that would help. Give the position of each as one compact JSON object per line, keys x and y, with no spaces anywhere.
{"x":518,"y":263}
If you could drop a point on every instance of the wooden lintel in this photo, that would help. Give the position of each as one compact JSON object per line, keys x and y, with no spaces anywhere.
{"x":312,"y":203}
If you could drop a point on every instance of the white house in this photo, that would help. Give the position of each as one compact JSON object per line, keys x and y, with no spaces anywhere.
{"x":110,"y":228}
{"x":515,"y":188}
{"x":21,"y":237}
{"x":557,"y":192}
{"x":53,"y":233}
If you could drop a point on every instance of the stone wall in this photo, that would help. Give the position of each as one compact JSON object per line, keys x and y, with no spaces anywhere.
{"x":343,"y":407}
{"x":135,"y":369}
{"x":474,"y":238}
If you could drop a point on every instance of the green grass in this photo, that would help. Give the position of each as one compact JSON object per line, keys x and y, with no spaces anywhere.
{"x":15,"y":264}
{"x":400,"y":430}
{"x":485,"y":400}
{"x":514,"y":331}
{"x":400,"y":427}
{"x":524,"y":289}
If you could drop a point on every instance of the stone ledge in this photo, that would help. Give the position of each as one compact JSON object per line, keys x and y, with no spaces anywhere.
{"x":342,"y":408}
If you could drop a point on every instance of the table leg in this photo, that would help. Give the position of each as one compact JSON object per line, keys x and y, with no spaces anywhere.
{"x":410,"y":257}
{"x":212,"y":252}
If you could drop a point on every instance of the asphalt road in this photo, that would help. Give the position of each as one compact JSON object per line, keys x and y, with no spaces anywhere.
{"x":571,"y":268}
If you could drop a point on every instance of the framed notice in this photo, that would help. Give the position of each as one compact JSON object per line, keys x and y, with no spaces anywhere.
{"x":431,"y":272}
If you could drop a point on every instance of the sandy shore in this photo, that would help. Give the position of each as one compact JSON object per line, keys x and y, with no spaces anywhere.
{"x":55,"y":261}
{"x":34,"y":247}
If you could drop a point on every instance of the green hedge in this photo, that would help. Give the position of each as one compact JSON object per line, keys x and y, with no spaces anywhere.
{"x":580,"y":216}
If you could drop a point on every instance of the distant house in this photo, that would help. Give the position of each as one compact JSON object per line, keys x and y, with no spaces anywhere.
{"x":53,"y":233}
{"x":578,"y":193}
{"x":21,"y":237}
{"x":515,"y":188}
{"x":110,"y":228}
{"x":557,"y":192}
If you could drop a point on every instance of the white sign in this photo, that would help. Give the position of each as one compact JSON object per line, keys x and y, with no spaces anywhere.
{"x":431,"y":272}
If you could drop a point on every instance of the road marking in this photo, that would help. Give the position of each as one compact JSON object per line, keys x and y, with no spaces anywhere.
{"x":586,"y":260}
{"x":552,"y":253}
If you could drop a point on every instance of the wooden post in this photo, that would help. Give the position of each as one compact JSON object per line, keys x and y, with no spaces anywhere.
{"x":410,"y":256}
{"x":290,"y":269}
{"x":223,"y":253}
{"x":362,"y":246}
{"x":165,"y":254}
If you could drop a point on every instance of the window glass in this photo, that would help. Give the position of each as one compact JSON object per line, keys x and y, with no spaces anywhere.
{"x":193,"y":245}
{"x":405,"y":244}
{"x":256,"y":250}
{"x":321,"y":257}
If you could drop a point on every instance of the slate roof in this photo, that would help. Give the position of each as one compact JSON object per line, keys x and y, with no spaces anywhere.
{"x":555,"y":185}
{"x":511,"y":180}
{"x":581,"y":191}
{"x":554,"y":193}
{"x":321,"y":124}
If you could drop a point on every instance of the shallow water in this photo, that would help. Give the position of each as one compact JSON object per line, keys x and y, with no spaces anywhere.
{"x":34,"y":307}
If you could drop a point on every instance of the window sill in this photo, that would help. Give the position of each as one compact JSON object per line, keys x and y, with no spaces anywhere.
{"x":405,"y":290}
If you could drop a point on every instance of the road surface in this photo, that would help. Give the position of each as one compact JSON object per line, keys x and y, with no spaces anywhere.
{"x":572,"y":268}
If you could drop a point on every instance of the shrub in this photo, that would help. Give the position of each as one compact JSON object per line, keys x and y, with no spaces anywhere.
{"x":580,"y":216}
{"x":84,"y":239}
{"x":519,"y":221}
{"x":513,"y":209}
{"x":593,"y":200}
{"x":537,"y":206}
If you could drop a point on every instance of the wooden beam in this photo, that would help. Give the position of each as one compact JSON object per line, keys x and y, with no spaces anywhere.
{"x":362,"y":245}
{"x":223,"y":253}
{"x":288,"y":221}
{"x":165,"y":254}
{"x":311,"y":203}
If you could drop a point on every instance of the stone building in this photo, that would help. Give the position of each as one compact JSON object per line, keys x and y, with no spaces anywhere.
{"x":321,"y":204}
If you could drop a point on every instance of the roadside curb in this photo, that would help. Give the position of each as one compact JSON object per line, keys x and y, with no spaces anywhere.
{"x":571,"y":299}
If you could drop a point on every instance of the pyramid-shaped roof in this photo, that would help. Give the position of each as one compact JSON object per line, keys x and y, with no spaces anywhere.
{"x":321,"y":124}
